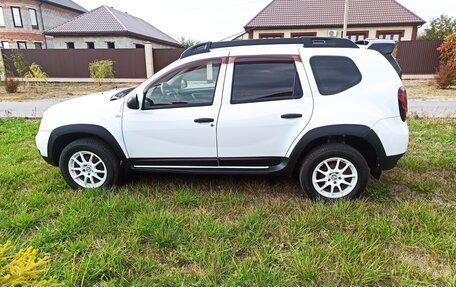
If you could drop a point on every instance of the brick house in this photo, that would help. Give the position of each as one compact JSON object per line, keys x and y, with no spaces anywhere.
{"x":106,"y":27}
{"x":23,"y":22}
{"x":383,"y":19}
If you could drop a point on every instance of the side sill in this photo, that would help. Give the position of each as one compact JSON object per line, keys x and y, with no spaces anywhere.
{"x":280,"y":169}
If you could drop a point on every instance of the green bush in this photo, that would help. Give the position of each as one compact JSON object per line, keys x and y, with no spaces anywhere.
{"x":37,"y":73}
{"x":11,"y":85}
{"x":19,"y":63}
{"x":100,"y":70}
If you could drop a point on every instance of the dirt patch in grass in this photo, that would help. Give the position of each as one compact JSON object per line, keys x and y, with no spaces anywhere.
{"x":427,"y":90}
{"x":31,"y":92}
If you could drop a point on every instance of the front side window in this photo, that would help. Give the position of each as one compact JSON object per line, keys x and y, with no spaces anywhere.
{"x":334,"y":74}
{"x":5,"y":45}
{"x":192,"y":85}
{"x":2,"y":18}
{"x":260,"y":79}
{"x":38,"y":45}
{"x":33,"y":18}
{"x":17,"y":18}
{"x":70,"y":45}
{"x":111,"y":45}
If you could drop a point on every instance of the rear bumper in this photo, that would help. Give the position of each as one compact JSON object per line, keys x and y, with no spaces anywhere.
{"x":394,"y":136}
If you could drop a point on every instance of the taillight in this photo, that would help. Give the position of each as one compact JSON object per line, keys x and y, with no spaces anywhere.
{"x":403,"y":104}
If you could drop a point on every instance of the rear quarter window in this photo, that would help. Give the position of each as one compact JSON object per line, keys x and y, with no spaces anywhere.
{"x":334,"y":74}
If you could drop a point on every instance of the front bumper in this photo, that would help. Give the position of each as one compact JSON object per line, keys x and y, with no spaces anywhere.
{"x":42,"y":139}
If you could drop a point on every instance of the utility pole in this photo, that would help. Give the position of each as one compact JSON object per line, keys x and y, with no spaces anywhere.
{"x":347,"y":6}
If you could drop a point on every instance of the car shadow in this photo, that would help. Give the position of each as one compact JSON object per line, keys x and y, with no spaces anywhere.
{"x":242,"y":184}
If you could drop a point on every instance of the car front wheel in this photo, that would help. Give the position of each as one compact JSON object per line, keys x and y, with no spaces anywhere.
{"x":334,"y":171}
{"x":89,"y":163}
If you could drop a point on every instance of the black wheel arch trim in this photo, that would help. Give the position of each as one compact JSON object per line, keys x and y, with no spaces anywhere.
{"x":79,"y":131}
{"x":352,"y":130}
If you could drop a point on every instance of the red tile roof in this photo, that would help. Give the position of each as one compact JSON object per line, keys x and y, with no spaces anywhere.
{"x":330,"y":13}
{"x":105,"y":21}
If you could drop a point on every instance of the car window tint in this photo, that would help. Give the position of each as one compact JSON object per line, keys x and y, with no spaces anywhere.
{"x":191,"y":85}
{"x":265,"y":79}
{"x":334,"y":74}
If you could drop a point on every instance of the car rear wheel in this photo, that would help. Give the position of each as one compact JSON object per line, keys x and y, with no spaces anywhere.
{"x":89,"y":163}
{"x":333,"y":172}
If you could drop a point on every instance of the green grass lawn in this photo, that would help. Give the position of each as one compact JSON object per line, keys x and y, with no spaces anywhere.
{"x":236,"y":231}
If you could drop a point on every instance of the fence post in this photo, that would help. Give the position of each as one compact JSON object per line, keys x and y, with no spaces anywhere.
{"x":2,"y":67}
{"x":149,"y":59}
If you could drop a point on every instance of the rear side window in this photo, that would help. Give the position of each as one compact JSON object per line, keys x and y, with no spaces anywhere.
{"x":261,"y":79}
{"x":334,"y":74}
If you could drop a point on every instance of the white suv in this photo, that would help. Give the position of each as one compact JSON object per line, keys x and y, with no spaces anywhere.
{"x":320,"y":108}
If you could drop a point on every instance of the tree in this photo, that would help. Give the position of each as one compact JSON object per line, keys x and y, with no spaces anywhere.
{"x":188,"y":42}
{"x":446,"y":75}
{"x":439,"y":28}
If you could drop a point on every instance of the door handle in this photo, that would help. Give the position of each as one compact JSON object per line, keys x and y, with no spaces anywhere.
{"x":204,"y":120}
{"x":291,"y":116}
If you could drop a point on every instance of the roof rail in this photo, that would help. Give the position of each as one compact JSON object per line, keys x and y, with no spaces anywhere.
{"x":307,"y":42}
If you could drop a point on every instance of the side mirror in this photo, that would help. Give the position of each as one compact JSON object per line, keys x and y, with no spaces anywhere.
{"x":184,"y":84}
{"x":133,"y":102}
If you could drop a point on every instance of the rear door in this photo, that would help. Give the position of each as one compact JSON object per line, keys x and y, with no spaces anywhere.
{"x":266,"y":104}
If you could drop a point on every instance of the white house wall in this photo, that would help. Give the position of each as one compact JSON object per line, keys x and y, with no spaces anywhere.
{"x":100,"y":42}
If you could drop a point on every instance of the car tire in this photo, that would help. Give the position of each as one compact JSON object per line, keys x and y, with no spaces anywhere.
{"x":333,"y":172}
{"x":89,"y":163}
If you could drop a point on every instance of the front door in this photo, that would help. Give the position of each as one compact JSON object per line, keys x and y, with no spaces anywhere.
{"x":176,"y":125}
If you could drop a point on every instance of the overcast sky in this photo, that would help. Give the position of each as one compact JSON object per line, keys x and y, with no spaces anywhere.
{"x":217,"y":19}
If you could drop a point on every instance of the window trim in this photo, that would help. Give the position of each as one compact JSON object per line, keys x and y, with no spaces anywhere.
{"x":37,"y":26}
{"x":316,"y":80}
{"x":267,"y":58}
{"x":41,"y":43}
{"x":3,"y":44}
{"x":392,"y":32}
{"x":358,"y":33}
{"x":21,"y":42}
{"x":20,"y":17}
{"x":303,"y":34}
{"x":184,"y":66}
{"x":271,"y":35}
{"x":2,"y":16}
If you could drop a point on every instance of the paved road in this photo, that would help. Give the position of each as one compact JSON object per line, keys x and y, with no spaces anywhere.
{"x":35,"y":109}
{"x":436,"y":109}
